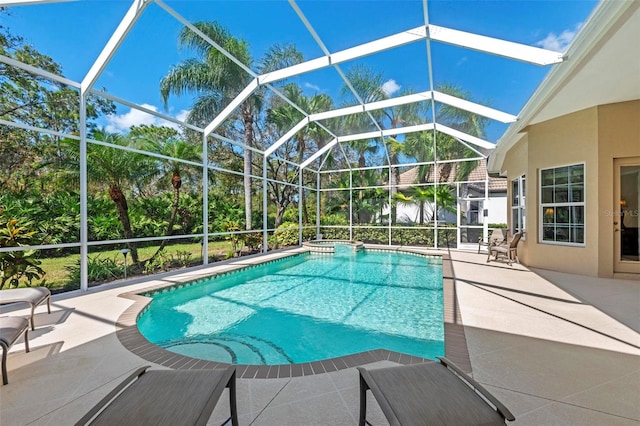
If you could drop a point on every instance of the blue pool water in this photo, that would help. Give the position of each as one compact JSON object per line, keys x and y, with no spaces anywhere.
{"x":305,"y":308}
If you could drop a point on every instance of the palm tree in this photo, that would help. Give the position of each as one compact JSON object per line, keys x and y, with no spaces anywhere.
{"x":154,"y":139}
{"x":217,"y":80}
{"x":395,"y":149}
{"x":419,"y":145}
{"x":369,"y":84}
{"x":118,"y":169}
{"x":443,"y":196}
{"x":449,"y":148}
{"x":363,"y":148}
{"x":284,"y":117}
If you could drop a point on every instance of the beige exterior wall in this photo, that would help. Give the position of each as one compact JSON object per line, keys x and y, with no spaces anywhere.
{"x":566,"y":140}
{"x":515,"y":163}
{"x":595,"y":137}
{"x":619,"y":137}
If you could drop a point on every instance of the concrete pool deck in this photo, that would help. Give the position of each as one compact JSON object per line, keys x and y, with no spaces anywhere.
{"x":554,"y":348}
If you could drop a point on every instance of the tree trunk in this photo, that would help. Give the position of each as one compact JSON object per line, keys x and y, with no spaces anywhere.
{"x":117,"y":196}
{"x":445,"y":172}
{"x":302,"y":146}
{"x":305,"y":211}
{"x":247,"y":116}
{"x":176,"y":181}
{"x":279,"y":214}
{"x":361,"y":163}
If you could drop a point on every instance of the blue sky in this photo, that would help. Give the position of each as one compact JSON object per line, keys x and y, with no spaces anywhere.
{"x":74,"y":33}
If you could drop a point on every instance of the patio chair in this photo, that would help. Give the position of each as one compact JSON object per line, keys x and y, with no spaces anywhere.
{"x":508,"y":251}
{"x":31,"y":295}
{"x":165,"y":397}
{"x":496,"y":237}
{"x":11,"y":328}
{"x":430,"y":393}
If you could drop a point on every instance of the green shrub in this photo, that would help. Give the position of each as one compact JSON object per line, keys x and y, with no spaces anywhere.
{"x":372,"y":235}
{"x":15,"y":265}
{"x":99,"y":270}
{"x":183,"y":258}
{"x":334,"y":219}
{"x":335,"y":233}
{"x":252,"y":241}
{"x":289,"y":237}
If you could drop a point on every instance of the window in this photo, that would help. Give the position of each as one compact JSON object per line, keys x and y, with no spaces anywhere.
{"x":562,"y":205}
{"x":473,"y":214}
{"x":518,"y":218}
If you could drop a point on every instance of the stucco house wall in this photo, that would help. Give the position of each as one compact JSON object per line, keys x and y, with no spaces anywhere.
{"x":594,"y":136}
{"x":619,"y":137}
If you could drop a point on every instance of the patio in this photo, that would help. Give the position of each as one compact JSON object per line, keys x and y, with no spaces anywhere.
{"x":555,"y":348}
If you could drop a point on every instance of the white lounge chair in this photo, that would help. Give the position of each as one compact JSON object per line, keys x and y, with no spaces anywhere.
{"x":11,"y":328}
{"x":31,"y":295}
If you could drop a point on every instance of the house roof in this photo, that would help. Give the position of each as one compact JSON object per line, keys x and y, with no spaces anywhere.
{"x":476,"y":177}
{"x":603,"y":69}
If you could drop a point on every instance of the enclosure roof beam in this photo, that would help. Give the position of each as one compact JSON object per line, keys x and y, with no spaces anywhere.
{"x":141,"y":108}
{"x":379,"y":45}
{"x":342,"y":75}
{"x":372,"y":106}
{"x":522,"y":52}
{"x":9,"y":3}
{"x":37,"y":71}
{"x":464,"y":136}
{"x":206,"y":38}
{"x":118,"y":36}
{"x":226,"y":112}
{"x":387,"y":132}
{"x":318,"y":153}
{"x":490,"y":45}
{"x":509,"y":49}
{"x":286,"y":136}
{"x":473,"y":107}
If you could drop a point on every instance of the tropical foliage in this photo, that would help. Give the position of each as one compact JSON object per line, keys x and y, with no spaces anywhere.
{"x":147,"y":182}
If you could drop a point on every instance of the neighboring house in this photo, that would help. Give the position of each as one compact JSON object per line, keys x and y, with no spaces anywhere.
{"x":472,"y":200}
{"x":576,"y":144}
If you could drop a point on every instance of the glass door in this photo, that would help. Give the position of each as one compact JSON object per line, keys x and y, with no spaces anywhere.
{"x":626,"y":216}
{"x":471,"y":211}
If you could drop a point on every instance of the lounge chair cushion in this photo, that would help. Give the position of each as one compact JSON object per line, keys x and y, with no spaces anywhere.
{"x":11,"y":328}
{"x":427,"y":394}
{"x":32,"y":295}
{"x":166,"y":397}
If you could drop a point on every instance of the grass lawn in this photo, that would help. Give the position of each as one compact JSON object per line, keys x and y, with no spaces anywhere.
{"x":57,"y":275}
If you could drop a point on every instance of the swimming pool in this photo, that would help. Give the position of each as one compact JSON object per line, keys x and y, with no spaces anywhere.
{"x":305,"y":308}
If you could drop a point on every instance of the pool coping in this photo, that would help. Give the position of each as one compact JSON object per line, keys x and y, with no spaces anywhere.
{"x":455,"y":341}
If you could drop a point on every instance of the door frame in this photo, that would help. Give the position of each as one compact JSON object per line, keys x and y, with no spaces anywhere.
{"x":619,"y":265}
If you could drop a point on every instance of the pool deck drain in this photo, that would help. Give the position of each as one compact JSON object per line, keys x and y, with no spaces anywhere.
{"x":454,"y":336}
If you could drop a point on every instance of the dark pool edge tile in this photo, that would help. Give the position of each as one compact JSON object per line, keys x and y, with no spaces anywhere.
{"x":455,"y":342}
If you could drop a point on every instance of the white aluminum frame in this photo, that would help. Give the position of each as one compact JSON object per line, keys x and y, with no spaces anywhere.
{"x":427,"y":32}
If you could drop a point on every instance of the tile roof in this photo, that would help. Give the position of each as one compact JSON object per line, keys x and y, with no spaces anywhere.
{"x":408,"y":178}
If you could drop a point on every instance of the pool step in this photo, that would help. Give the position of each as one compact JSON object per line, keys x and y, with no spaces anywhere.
{"x":230,"y":348}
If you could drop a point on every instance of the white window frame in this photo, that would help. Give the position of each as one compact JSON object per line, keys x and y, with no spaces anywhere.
{"x":518,"y":206}
{"x":554,"y":205}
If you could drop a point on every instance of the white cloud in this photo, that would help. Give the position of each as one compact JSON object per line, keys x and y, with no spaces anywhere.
{"x":135,"y":117}
{"x":312,"y":86}
{"x":182,"y":115}
{"x":390,"y":87}
{"x":462,"y":61}
{"x":559,"y":43}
